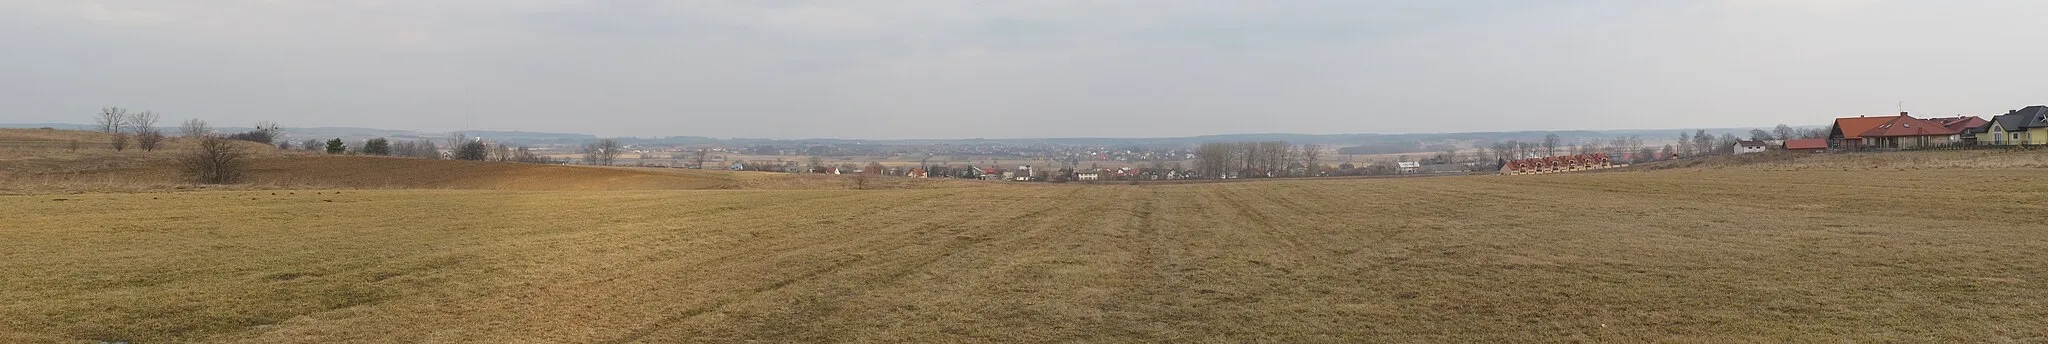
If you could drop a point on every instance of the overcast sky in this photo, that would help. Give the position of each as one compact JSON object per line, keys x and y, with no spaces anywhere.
{"x":1017,"y":68}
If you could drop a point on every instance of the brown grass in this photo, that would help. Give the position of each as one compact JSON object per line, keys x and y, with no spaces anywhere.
{"x":1697,"y":255}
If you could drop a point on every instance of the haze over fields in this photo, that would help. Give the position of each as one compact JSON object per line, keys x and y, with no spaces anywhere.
{"x":1008,"y":69}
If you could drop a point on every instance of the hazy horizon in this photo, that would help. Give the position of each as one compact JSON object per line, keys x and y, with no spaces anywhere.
{"x":1042,"y":69}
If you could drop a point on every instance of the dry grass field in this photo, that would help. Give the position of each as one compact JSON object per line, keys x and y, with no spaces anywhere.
{"x":1758,"y":254}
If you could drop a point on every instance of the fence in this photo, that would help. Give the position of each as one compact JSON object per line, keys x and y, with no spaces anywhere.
{"x":1942,"y":147}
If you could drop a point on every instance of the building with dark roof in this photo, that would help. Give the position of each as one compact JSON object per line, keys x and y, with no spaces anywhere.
{"x":2027,"y":126}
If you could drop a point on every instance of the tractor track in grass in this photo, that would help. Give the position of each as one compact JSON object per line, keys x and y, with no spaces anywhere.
{"x":901,"y":257}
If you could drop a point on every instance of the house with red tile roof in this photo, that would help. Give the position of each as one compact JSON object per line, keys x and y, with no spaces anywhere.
{"x":1964,"y":127}
{"x":1961,"y":123}
{"x":1906,"y":132}
{"x":1807,"y":145}
{"x":1557,"y":164}
{"x":1847,"y":132}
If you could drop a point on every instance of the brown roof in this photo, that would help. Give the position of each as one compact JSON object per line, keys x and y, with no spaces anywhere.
{"x":1902,"y":126}
{"x":1807,"y":144}
{"x":1961,"y":123}
{"x":1854,"y":127}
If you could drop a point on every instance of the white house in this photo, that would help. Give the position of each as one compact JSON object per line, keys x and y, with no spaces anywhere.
{"x":1088,"y":176}
{"x":1746,"y":147}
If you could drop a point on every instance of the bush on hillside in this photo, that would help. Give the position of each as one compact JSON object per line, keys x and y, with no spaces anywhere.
{"x":214,"y":161}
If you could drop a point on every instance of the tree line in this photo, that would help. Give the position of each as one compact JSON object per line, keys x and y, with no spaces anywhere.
{"x":216,"y":158}
{"x":1261,"y":159}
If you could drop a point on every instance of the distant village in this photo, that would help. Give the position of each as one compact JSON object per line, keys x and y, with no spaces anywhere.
{"x":1520,"y":153}
{"x":1903,"y":132}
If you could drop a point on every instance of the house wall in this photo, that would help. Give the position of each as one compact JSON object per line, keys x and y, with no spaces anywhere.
{"x":1999,"y":137}
{"x":2036,"y":136}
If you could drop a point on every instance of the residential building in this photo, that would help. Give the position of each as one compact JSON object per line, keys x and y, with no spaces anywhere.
{"x":1557,"y":164}
{"x":1962,"y":125}
{"x":2028,"y":126}
{"x":1906,"y":132}
{"x":1746,"y":147}
{"x":1807,"y":145}
{"x":1847,"y":132}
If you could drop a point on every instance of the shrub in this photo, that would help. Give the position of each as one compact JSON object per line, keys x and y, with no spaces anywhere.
{"x":214,"y":161}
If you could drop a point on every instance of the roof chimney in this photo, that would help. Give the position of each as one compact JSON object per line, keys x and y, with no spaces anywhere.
{"x":1902,"y":113}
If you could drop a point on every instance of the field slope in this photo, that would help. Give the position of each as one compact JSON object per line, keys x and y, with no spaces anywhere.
{"x":1683,"y":255}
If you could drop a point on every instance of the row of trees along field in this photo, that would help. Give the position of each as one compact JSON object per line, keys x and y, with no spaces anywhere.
{"x":215,"y":158}
{"x":1258,"y":159}
{"x":462,"y":148}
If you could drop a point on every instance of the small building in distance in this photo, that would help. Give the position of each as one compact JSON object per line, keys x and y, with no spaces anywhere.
{"x":1746,"y":147}
{"x":1807,"y":145}
{"x":1557,"y":164}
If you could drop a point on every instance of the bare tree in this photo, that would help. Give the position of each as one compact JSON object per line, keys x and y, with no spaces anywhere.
{"x":214,"y":161}
{"x":428,"y":151}
{"x":1785,"y":132}
{"x":114,"y":121}
{"x":1684,"y":144}
{"x":1312,"y":156}
{"x":1726,"y":144}
{"x":110,"y":120}
{"x":525,"y":155}
{"x":456,"y":140}
{"x":194,"y":128}
{"x":501,"y":152}
{"x":312,"y":145}
{"x":1550,"y":142}
{"x":266,"y":133}
{"x":376,"y":146}
{"x":1760,"y":135}
{"x":1703,"y":142}
{"x":701,"y":154}
{"x":602,"y":152}
{"x":1816,"y":133}
{"x":1217,"y":159}
{"x":147,"y":136}
{"x":473,"y":150}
